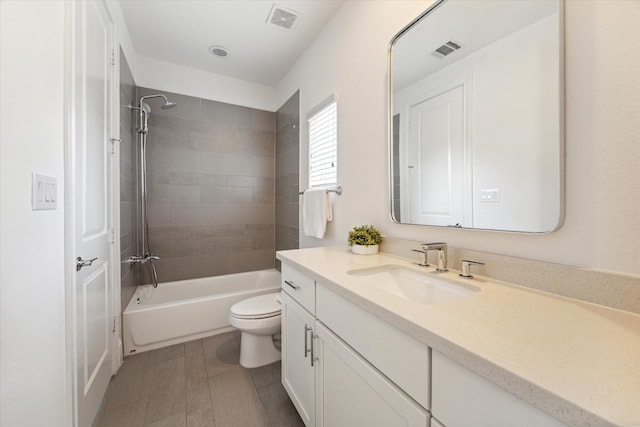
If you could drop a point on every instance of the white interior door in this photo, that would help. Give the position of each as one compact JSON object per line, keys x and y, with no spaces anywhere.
{"x":90,"y":223}
{"x":436,"y":160}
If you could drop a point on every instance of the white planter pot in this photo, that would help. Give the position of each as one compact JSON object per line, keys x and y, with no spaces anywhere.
{"x":364,"y":250}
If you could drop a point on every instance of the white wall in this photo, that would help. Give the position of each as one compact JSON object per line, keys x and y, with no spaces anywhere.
{"x":155,"y":74}
{"x":603,"y":111}
{"x":165,"y":76}
{"x":33,"y":375}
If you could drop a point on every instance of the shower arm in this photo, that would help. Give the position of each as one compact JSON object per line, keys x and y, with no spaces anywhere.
{"x":166,"y":101}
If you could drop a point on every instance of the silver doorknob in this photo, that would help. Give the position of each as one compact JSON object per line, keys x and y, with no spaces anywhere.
{"x":84,"y":262}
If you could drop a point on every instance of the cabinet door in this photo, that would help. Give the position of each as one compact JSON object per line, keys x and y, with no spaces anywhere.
{"x":461,"y":398}
{"x":351,"y":392}
{"x":297,"y":370}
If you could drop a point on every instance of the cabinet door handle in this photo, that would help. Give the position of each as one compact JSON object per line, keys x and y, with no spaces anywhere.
{"x":295,"y":287}
{"x":313,"y":357}
{"x":306,"y":343}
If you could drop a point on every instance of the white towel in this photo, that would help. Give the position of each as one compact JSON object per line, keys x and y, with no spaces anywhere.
{"x":316,"y":211}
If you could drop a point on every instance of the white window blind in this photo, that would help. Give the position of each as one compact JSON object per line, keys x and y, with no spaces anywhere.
{"x":323,"y":141}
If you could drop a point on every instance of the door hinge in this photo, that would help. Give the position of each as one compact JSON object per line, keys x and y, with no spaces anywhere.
{"x":114,"y":143}
{"x":115,"y":324}
{"x":113,"y":235}
{"x":113,"y":57}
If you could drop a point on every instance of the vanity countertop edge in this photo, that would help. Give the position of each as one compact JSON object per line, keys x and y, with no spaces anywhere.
{"x":531,"y":343}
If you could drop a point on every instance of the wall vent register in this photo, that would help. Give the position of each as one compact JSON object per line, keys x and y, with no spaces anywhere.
{"x":446,"y":49}
{"x":282,"y":17}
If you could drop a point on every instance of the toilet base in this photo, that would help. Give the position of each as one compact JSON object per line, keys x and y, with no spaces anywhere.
{"x":257,"y":350}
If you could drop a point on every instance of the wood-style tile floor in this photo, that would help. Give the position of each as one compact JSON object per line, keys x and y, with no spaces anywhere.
{"x":196,"y":384}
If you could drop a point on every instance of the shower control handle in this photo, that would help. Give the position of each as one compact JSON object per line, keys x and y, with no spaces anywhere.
{"x":295,"y":287}
{"x":84,"y":262}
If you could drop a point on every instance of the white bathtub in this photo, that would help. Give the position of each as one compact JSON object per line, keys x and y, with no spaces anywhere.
{"x":186,"y":310}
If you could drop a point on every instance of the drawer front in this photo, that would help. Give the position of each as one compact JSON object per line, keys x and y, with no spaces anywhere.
{"x":300,"y":287}
{"x":401,"y":358}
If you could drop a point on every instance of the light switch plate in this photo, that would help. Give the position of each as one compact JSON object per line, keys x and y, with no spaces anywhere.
{"x":489,"y":195}
{"x":44,"y":192}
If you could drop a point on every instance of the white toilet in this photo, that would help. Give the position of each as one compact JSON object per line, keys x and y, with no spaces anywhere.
{"x":259,"y":320}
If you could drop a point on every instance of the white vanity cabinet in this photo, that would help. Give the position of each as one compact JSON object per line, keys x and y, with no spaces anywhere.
{"x":298,"y":321}
{"x":461,"y":398}
{"x":332,"y":384}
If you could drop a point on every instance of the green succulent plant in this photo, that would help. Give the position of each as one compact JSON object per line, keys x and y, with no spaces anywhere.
{"x":365,"y":235}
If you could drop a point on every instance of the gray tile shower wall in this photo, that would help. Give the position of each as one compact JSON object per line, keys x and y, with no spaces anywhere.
{"x":211,"y":191}
{"x":128,"y":144}
{"x":287,"y":173}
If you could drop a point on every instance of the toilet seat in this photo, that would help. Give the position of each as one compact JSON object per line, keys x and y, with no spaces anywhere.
{"x":259,"y":307}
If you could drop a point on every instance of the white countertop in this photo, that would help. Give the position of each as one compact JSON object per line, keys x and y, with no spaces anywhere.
{"x":577,"y":361}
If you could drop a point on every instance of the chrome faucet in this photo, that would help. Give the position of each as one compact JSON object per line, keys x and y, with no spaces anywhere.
{"x":441,"y":247}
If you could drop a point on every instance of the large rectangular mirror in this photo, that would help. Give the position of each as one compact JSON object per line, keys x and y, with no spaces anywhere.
{"x":476,"y":116}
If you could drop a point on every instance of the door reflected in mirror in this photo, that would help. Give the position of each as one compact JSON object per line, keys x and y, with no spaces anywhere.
{"x":477,"y":116}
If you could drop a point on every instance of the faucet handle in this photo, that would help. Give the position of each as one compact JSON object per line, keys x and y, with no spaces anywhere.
{"x":466,"y":268}
{"x":423,"y":257}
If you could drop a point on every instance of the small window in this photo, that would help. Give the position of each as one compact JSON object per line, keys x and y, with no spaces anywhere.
{"x":323,"y":141}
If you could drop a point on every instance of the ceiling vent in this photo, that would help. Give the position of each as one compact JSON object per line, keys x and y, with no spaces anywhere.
{"x":446,"y":49}
{"x":282,"y":16}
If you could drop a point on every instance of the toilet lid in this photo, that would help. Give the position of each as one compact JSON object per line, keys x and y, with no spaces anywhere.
{"x":257,"y":307}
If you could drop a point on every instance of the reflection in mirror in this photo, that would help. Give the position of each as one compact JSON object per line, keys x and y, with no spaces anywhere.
{"x":476,"y":118}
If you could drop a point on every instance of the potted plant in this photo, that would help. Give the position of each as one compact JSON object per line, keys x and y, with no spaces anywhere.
{"x":364,"y":240}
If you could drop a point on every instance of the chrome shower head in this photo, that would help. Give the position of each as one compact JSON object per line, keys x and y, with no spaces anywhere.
{"x":145,"y":110}
{"x":166,"y":103}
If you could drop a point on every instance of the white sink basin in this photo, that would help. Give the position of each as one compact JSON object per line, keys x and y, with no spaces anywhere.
{"x":425,"y":288}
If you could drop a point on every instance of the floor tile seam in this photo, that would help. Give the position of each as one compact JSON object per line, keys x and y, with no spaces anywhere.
{"x":193,"y":354}
{"x":167,"y":360}
{"x":264,"y":404}
{"x":112,"y":408}
{"x":183,"y":394}
{"x":205,"y":377}
{"x":105,"y":415}
{"x":145,"y":424}
{"x":146,"y":415}
{"x":277,"y":380}
{"x":161,"y":361}
{"x":219,"y":372}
